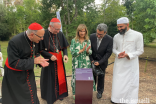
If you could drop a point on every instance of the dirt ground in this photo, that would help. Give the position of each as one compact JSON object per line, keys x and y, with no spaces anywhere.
{"x":147,"y":85}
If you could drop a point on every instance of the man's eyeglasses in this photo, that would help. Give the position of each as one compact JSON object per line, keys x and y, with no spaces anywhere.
{"x":38,"y":36}
{"x":56,"y":29}
{"x":99,"y":34}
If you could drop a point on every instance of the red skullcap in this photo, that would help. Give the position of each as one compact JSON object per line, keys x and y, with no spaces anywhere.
{"x":35,"y":26}
{"x":55,"y":20}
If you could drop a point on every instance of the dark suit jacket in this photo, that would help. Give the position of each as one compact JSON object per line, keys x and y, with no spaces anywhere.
{"x":104,"y":51}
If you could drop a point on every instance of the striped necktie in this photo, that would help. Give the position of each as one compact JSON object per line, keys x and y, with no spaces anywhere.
{"x":98,"y":43}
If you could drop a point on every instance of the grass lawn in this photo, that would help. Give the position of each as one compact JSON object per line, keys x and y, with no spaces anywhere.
{"x":153,"y":44}
{"x":4,"y":45}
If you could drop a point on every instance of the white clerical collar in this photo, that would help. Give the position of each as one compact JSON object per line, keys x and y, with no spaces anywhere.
{"x":49,"y":28}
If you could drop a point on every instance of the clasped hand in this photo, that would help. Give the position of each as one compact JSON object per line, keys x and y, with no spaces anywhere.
{"x":87,"y":50}
{"x":122,"y":55}
{"x":54,"y":58}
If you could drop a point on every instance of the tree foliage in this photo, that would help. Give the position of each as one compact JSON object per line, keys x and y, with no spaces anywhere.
{"x":4,"y":33}
{"x":72,"y":13}
{"x":111,"y":13}
{"x":144,"y":16}
{"x":20,"y":16}
{"x":92,"y":18}
{"x":129,"y":4}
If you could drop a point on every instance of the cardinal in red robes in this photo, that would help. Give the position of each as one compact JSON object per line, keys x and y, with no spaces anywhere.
{"x":53,"y":78}
{"x":18,"y":85}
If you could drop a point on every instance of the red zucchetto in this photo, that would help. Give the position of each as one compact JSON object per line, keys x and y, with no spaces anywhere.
{"x":55,"y":20}
{"x":35,"y":26}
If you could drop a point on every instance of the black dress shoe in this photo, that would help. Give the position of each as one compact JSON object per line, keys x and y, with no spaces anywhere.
{"x":0,"y":100}
{"x":61,"y":99}
{"x":99,"y":96}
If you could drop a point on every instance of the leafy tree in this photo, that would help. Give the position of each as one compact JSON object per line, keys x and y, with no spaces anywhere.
{"x":21,"y":15}
{"x":112,"y":12}
{"x":11,"y":19}
{"x":129,"y":4}
{"x":48,"y":11}
{"x":145,"y":14}
{"x":72,"y":13}
{"x":92,"y":18}
{"x":4,"y":33}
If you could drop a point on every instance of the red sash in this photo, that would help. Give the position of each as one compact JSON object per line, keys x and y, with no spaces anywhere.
{"x":60,"y":73}
{"x":7,"y":64}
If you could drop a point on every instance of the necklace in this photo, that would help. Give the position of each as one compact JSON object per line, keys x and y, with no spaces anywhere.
{"x":57,"y":51}
{"x":32,"y":49}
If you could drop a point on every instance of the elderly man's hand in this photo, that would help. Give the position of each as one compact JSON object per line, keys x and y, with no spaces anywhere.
{"x":65,"y":58}
{"x":40,"y":60}
{"x":53,"y":58}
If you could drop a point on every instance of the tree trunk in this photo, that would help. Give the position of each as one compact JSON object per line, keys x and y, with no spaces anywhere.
{"x":65,"y":22}
{"x":104,"y":10}
{"x":64,"y":19}
{"x":76,"y":12}
{"x":68,"y":14}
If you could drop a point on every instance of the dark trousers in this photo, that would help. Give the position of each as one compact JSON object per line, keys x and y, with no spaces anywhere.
{"x":100,"y":82}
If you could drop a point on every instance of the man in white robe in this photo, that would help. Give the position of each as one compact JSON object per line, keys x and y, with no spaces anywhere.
{"x":127,"y":46}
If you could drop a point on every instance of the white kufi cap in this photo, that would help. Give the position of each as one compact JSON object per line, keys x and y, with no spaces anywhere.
{"x":122,"y":20}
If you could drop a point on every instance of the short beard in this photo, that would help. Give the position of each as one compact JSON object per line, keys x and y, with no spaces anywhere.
{"x":123,"y":31}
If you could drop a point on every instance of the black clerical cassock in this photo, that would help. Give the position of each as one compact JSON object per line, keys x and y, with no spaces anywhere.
{"x":53,"y":78}
{"x":18,"y":85}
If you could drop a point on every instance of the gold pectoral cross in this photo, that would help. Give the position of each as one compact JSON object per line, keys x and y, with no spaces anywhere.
{"x":57,"y":51}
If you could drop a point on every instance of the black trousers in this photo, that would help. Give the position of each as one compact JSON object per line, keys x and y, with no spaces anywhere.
{"x":99,"y":80}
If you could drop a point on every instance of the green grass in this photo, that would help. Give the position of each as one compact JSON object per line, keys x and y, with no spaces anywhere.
{"x":68,"y":65}
{"x":4,"y":45}
{"x":37,"y":70}
{"x":153,"y":44}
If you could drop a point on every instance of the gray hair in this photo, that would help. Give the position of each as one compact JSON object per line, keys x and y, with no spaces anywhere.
{"x":102,"y":27}
{"x":52,"y":23}
{"x":31,"y":31}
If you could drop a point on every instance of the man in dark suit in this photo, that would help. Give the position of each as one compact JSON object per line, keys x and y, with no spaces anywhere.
{"x":101,"y":45}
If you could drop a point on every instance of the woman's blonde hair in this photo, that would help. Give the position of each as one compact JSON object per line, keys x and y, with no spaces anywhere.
{"x":80,"y":27}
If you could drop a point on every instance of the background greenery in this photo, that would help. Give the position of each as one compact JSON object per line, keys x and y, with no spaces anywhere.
{"x":17,"y":15}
